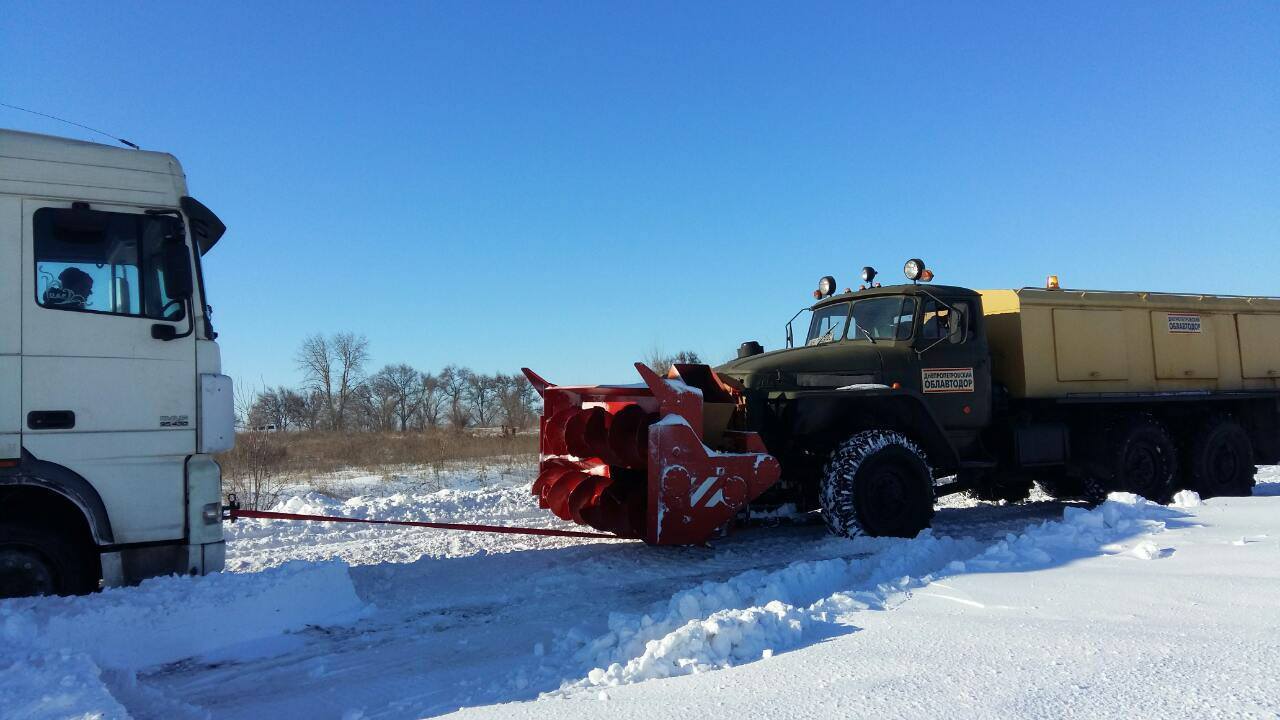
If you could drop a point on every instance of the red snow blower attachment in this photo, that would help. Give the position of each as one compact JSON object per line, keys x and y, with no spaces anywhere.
{"x":638,"y":460}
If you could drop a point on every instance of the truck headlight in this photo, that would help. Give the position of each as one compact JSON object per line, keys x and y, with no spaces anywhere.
{"x":827,"y":286}
{"x":913,"y":269}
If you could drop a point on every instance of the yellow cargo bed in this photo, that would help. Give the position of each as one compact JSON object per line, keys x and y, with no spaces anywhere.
{"x":1058,"y":343}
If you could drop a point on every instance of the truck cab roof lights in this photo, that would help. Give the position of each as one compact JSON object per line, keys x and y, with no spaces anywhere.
{"x":913,"y":269}
{"x":1051,"y":283}
{"x":869,"y":274}
{"x":826,"y":287}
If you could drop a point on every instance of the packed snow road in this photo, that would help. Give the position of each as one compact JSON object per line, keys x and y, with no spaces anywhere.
{"x":321,"y":620}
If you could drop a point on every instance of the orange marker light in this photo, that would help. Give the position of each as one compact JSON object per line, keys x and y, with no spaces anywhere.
{"x":1051,"y":283}
{"x":817,"y":294}
{"x":896,"y":386}
{"x":926,"y":276}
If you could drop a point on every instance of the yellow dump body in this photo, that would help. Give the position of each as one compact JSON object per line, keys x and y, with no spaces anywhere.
{"x":1055,"y":343}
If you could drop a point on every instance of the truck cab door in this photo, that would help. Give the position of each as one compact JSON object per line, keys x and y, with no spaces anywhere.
{"x":953,"y":365}
{"x":102,"y":394}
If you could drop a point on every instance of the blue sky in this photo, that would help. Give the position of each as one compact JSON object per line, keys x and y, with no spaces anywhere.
{"x":566,"y":186}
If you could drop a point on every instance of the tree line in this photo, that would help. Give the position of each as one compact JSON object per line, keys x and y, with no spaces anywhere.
{"x":338,"y":393}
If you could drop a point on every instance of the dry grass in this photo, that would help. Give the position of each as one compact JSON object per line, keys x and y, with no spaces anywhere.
{"x":255,"y":468}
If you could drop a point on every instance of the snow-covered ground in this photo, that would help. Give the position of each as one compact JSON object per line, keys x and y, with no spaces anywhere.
{"x":1040,"y":609}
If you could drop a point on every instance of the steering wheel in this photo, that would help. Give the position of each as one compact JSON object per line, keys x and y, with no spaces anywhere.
{"x":164,"y":311}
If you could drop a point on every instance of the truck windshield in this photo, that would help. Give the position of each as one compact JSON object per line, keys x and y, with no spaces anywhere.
{"x":879,"y":318}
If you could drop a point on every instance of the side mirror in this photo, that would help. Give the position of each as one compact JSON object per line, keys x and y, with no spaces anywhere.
{"x":178,"y":284}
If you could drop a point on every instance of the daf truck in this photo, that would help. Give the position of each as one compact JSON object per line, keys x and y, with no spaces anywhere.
{"x":112,"y":400}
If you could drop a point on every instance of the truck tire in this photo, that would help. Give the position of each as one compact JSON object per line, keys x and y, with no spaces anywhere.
{"x":1220,"y":461}
{"x":37,"y":561}
{"x":1134,"y":454}
{"x":878,"y":482}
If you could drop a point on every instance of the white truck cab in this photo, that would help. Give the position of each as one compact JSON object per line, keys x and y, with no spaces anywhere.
{"x":112,"y":400}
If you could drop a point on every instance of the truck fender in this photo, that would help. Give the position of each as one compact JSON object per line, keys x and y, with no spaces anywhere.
{"x":57,"y":479}
{"x":836,"y":414}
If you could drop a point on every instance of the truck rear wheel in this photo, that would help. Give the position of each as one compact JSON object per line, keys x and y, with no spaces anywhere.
{"x":877,"y":482}
{"x":1221,"y":460}
{"x":1134,"y":455}
{"x":35,"y":561}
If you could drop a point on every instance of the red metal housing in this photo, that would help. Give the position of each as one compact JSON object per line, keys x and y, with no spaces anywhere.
{"x":637,"y":460}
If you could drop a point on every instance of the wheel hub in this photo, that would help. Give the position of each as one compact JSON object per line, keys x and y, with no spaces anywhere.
{"x":23,"y":572}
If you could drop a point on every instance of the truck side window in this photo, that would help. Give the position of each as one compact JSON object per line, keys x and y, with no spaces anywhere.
{"x":103,"y":262}
{"x":936,"y":319}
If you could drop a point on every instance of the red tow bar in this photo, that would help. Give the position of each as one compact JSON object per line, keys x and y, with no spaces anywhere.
{"x":234,"y":513}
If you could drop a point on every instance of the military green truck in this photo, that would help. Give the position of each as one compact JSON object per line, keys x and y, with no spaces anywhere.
{"x":898,"y":394}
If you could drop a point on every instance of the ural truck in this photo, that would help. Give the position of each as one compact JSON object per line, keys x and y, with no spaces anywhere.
{"x":900,"y":394}
{"x":111,"y":398}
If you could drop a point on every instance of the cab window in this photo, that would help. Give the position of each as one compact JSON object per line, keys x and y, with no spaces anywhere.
{"x":103,"y":262}
{"x":936,"y":320}
{"x":828,"y":324}
{"x":883,"y":318}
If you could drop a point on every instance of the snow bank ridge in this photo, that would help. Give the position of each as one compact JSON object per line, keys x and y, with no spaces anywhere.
{"x":171,"y":618}
{"x":756,"y":614}
{"x":53,"y":650}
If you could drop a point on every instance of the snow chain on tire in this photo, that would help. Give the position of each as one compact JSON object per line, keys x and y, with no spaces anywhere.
{"x":839,"y":489}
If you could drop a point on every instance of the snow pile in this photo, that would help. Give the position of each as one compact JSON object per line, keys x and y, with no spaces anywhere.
{"x":54,"y":686}
{"x":756,"y":614}
{"x":55,"y":649}
{"x":171,"y":618}
{"x":1081,"y":532}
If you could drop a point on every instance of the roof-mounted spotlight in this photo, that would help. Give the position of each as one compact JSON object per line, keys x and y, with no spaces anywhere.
{"x":914,"y":269}
{"x":869,"y":274}
{"x":827,"y":286}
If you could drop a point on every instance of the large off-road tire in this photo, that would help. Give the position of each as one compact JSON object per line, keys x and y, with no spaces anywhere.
{"x":877,"y":482}
{"x":1132,"y":454}
{"x":38,"y":561}
{"x":1220,"y":460}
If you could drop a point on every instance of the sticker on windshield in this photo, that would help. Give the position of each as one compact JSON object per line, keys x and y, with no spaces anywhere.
{"x":1184,"y":322}
{"x":947,"y":380}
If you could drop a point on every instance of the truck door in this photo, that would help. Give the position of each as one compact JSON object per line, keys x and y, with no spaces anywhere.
{"x":953,"y":363}
{"x":100,"y":394}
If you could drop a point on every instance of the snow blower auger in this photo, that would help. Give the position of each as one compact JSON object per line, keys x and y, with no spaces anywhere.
{"x":653,"y":461}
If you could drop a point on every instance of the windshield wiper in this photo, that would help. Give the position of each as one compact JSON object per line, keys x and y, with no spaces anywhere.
{"x":864,"y":331}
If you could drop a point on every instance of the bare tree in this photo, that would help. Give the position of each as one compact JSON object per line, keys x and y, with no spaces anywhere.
{"x":352,"y":352}
{"x":399,"y":385}
{"x":334,"y":368}
{"x":482,"y":391}
{"x":301,"y":408}
{"x":269,"y":408}
{"x":316,"y":360}
{"x":454,"y":383}
{"x":431,"y":400}
{"x":517,"y":403}
{"x":661,"y":363}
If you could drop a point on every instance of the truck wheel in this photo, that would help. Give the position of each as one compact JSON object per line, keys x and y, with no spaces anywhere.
{"x":877,"y":482}
{"x":1221,"y":460}
{"x":34,"y":561}
{"x":1134,"y":455}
